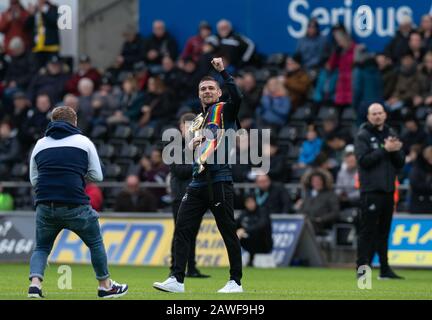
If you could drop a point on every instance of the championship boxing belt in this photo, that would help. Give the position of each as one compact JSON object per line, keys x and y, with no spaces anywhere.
{"x":213,"y":122}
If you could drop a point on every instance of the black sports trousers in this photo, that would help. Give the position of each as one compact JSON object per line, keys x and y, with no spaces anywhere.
{"x":193,"y":207}
{"x":191,"y":264}
{"x":376,"y":213}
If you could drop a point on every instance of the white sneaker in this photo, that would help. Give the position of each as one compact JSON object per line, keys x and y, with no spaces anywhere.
{"x":231,"y":287}
{"x":170,"y":285}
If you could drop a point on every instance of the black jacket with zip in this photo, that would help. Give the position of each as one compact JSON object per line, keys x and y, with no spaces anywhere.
{"x":377,"y":167}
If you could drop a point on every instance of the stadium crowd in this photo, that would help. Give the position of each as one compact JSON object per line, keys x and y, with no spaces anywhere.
{"x":314,"y":100}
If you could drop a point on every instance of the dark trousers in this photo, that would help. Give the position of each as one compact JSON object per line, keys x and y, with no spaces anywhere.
{"x":191,"y":264}
{"x":374,"y":227}
{"x":193,"y":207}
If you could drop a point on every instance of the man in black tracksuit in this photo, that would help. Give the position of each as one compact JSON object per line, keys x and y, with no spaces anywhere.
{"x":211,"y":189}
{"x":379,"y":154}
{"x":181,"y":177}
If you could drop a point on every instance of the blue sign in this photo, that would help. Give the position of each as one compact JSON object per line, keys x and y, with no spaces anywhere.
{"x":286,"y":235}
{"x":275,"y":26}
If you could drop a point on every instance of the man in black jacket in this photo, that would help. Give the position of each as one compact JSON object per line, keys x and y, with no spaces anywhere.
{"x":159,"y":44}
{"x":379,"y":155}
{"x":271,"y":195}
{"x":211,"y":187}
{"x":239,"y":49}
{"x":181,"y":177}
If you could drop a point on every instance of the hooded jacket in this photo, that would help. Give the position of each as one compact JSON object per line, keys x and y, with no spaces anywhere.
{"x":60,"y":163}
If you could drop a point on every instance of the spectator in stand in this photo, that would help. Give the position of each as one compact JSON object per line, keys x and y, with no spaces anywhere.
{"x":415,"y":45}
{"x":297,"y":81}
{"x":141,"y":74}
{"x":278,"y":170}
{"x":95,"y":194}
{"x":348,"y":193}
{"x":367,"y":83}
{"x":389,"y":74}
{"x":254,"y":229}
{"x":408,"y":86}
{"x":429,"y":130}
{"x":171,"y":74}
{"x":51,"y":81}
{"x":426,"y":81}
{"x":21,"y":110}
{"x":158,"y":45}
{"x":158,"y":106}
{"x":320,"y":202}
{"x":85,"y":70}
{"x":38,"y":121}
{"x":42,"y":22}
{"x":135,"y":199}
{"x":310,"y":148}
{"x":86,"y":94}
{"x":331,"y":127}
{"x":271,"y":195}
{"x":325,"y":88}
{"x":252,"y":93}
{"x":342,"y":60}
{"x":21,"y":68}
{"x":400,"y":42}
{"x":194,"y":45}
{"x":412,"y":134}
{"x":9,"y":149}
{"x":334,"y":146}
{"x":275,"y":105}
{"x":421,"y":183}
{"x":188,"y":80}
{"x":129,"y":104}
{"x":238,"y":48}
{"x":108,"y":93}
{"x":425,"y":30}
{"x":12,"y":25}
{"x":132,"y":50}
{"x":153,"y":169}
{"x":73,"y":101}
{"x":313,"y":48}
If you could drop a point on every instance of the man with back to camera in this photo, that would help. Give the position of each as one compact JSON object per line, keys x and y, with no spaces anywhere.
{"x":211,"y":189}
{"x":59,"y":164}
{"x":379,"y":155}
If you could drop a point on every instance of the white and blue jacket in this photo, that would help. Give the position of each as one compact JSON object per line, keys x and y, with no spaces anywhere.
{"x":60,"y":163}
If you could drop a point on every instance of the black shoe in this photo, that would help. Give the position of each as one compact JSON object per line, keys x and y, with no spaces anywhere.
{"x":117,"y":290}
{"x":389,"y":274}
{"x":35,"y":293}
{"x":196,"y":274}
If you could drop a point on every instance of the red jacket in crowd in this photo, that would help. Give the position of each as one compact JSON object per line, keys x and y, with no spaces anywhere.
{"x":12,"y":24}
{"x":72,"y":84}
{"x":95,"y":195}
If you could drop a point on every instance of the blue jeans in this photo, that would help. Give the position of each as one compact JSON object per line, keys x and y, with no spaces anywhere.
{"x":83,"y":221}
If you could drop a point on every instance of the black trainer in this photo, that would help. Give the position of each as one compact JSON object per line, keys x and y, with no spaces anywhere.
{"x":196,"y":274}
{"x":389,"y":274}
{"x":117,"y":290}
{"x":35,"y":293}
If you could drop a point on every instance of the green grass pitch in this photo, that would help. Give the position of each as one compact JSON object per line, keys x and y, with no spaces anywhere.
{"x":259,"y":284}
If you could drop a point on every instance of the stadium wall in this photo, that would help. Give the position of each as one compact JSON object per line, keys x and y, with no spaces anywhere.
{"x":143,"y":239}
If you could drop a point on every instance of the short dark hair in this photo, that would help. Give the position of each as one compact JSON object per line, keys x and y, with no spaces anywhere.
{"x":66,"y":114}
{"x":209,"y":78}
